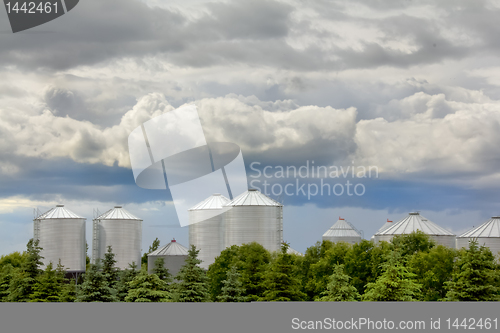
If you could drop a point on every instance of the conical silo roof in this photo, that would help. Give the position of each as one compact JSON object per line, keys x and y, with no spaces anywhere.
{"x":386,"y":225}
{"x":341,"y":228}
{"x":253,"y":198}
{"x":414,"y":222}
{"x":490,"y":228}
{"x":59,"y":212}
{"x":118,"y":213}
{"x":292,"y":251}
{"x":215,"y":201}
{"x":171,"y":249}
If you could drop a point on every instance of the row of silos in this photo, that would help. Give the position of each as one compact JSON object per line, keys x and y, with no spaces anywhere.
{"x":217,"y":223}
{"x":61,"y":235}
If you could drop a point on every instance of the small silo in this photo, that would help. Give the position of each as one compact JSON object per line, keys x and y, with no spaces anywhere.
{"x":292,"y":251}
{"x":120,"y":230}
{"x":414,"y":222}
{"x":205,"y":228}
{"x":254,"y":217}
{"x":385,"y":226}
{"x":342,"y":231}
{"x":174,"y":255}
{"x":61,"y":235}
{"x":487,"y":234}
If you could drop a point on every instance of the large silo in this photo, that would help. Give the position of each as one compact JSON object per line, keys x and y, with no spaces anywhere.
{"x":342,"y":231}
{"x":174,"y":255}
{"x":61,"y":235}
{"x":205,"y":228}
{"x":487,"y":234}
{"x":414,"y":222}
{"x":254,"y":217}
{"x":123,"y":232}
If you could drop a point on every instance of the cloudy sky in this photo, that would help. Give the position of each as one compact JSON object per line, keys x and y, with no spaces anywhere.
{"x":411,"y":87}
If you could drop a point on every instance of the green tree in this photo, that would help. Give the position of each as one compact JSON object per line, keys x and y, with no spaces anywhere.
{"x":339,"y":289}
{"x":232,"y":290}
{"x":7,"y":273}
{"x":280,"y":281}
{"x":193,"y":281}
{"x":152,"y":248}
{"x":148,"y":288}
{"x":21,"y":286}
{"x":95,"y":287}
{"x":253,"y":260}
{"x":48,"y":287}
{"x":217,"y":271}
{"x":109,"y":269}
{"x":68,"y":292}
{"x":126,"y":276}
{"x":15,"y":259}
{"x":161,"y":271}
{"x":395,"y":284}
{"x":432,"y":270}
{"x":409,"y":244}
{"x":475,"y":277}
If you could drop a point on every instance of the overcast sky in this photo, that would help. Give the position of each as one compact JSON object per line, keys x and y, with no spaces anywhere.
{"x":411,"y":87}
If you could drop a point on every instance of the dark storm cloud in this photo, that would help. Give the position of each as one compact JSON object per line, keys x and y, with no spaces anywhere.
{"x":250,"y":32}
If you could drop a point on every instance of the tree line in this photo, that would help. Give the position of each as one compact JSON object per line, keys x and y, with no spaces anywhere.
{"x":409,"y":268}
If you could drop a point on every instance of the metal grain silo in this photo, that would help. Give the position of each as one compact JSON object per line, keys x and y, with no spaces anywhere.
{"x":205,"y":228}
{"x":254,"y":217}
{"x":174,"y":255}
{"x":343,"y":231}
{"x":414,"y":222}
{"x":121,"y":230}
{"x":487,"y":234}
{"x":385,"y":226}
{"x":61,"y":235}
{"x":292,"y":251}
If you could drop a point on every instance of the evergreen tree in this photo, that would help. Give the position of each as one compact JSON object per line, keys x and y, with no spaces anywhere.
{"x":95,"y":287}
{"x":126,"y":276}
{"x":68,"y":292}
{"x":253,"y":260}
{"x":21,"y":286}
{"x":475,"y":277}
{"x":395,"y":283}
{"x":232,"y":290}
{"x":339,"y":289}
{"x":148,"y":288}
{"x":153,"y":247}
{"x":7,"y":273}
{"x":48,"y":287}
{"x":193,"y":281}
{"x":161,"y":271}
{"x":109,"y":269}
{"x":280,"y":282}
{"x":217,"y":272}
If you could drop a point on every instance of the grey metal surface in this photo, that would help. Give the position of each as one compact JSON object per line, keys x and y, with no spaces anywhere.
{"x":121,"y":230}
{"x":487,"y":234}
{"x":254,"y":217}
{"x":174,"y":255}
{"x":62,"y":236}
{"x":206,"y":228}
{"x":414,"y":222}
{"x":342,"y":231}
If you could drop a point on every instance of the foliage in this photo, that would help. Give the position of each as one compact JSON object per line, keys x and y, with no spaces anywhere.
{"x":148,"y":288}
{"x":48,"y":287}
{"x":95,"y":287}
{"x":7,"y":272}
{"x":109,"y":269}
{"x":412,"y":243}
{"x":232,"y":290}
{"x":395,"y":284}
{"x":15,"y":259}
{"x":217,"y":272}
{"x":474,"y":277}
{"x":153,"y":247}
{"x":193,"y":281}
{"x":161,"y":271}
{"x":339,"y":289}
{"x":280,"y":281}
{"x":68,"y":292}
{"x":126,"y":276}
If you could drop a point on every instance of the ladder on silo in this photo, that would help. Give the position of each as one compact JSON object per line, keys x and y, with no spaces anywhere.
{"x":95,"y":237}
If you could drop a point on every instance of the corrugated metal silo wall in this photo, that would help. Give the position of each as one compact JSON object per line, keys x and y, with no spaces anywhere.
{"x":125,"y":238}
{"x":207,"y":235}
{"x":173,"y":263}
{"x":349,"y":240}
{"x":63,"y":239}
{"x":492,"y":242}
{"x":246,"y":224}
